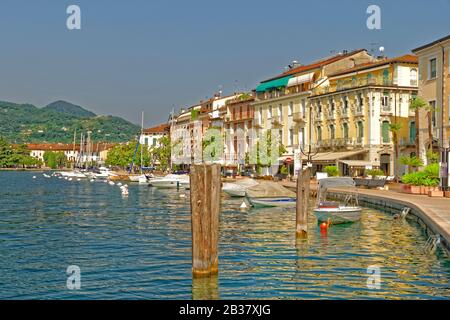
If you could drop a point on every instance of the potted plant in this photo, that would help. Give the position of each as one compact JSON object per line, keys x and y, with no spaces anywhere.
{"x":412,"y":182}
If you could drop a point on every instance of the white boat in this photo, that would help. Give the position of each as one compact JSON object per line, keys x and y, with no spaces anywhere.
{"x":333,"y":211}
{"x":171,"y":181}
{"x":273,"y":202}
{"x":103,"y":173}
{"x":137,"y":178}
{"x":270,"y":194}
{"x":72,"y":174}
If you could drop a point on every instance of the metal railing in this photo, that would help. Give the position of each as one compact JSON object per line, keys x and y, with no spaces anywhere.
{"x":354,"y":83}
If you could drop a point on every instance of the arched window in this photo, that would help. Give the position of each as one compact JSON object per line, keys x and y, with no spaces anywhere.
{"x":345,"y":130}
{"x":319,"y":134}
{"x":332,"y":132}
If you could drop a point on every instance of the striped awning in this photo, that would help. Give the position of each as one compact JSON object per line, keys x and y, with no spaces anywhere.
{"x":304,"y":78}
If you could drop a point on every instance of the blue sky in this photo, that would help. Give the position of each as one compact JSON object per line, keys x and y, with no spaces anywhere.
{"x":155,"y":55}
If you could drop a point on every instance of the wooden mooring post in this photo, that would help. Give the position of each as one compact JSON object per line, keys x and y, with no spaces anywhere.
{"x":303,"y":194}
{"x":205,"y":208}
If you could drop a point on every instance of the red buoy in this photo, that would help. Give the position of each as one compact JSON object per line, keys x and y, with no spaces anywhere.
{"x":324,"y":226}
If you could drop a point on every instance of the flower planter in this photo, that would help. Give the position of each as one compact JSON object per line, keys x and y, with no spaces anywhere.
{"x":436,"y":193}
{"x":447,"y":194}
{"x":415,"y":190}
{"x":411,"y":189}
{"x":424,"y":190}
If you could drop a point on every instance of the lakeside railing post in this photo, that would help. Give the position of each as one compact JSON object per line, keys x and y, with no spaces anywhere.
{"x":205,"y":208}
{"x":303,"y":193}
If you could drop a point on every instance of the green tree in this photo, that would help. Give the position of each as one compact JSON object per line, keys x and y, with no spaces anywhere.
{"x":162,"y":153}
{"x":6,"y":153}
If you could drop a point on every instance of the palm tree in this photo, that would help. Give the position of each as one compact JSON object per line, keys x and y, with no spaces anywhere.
{"x":412,"y":163}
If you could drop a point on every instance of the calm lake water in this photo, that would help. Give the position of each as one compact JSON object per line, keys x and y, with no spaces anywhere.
{"x":139,"y":247}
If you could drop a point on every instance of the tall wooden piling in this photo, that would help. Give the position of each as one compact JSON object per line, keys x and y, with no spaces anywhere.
{"x":205,"y":209}
{"x":303,"y":194}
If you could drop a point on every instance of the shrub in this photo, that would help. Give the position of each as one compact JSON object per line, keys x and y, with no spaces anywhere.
{"x":332,"y":171}
{"x":428,"y":177}
{"x":375,"y":172}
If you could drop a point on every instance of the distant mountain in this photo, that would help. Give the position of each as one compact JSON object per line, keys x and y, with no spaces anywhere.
{"x":57,"y":122}
{"x":69,"y":109}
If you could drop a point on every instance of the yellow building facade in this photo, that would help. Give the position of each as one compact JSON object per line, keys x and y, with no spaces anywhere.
{"x":359,"y":113}
{"x":282,"y":103}
{"x":434,"y":88}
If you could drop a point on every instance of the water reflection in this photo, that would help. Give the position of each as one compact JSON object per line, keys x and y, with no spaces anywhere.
{"x":139,"y":247}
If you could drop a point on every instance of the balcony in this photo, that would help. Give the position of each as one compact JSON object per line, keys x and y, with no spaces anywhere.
{"x":238,"y":116}
{"x":407,"y":142}
{"x":277,"y":120}
{"x":258,"y":122}
{"x":386,"y":110}
{"x":299,"y":117}
{"x":331,"y":115}
{"x":359,"y":112}
{"x":342,"y":85}
{"x":344,"y":113}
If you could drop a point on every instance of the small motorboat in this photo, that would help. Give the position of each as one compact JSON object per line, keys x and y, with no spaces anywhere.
{"x":270,"y":194}
{"x":273,"y":202}
{"x":137,"y":178}
{"x":171,"y":181}
{"x":334,"y":212}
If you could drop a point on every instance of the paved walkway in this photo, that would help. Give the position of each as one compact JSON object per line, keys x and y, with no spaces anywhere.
{"x":435,"y":212}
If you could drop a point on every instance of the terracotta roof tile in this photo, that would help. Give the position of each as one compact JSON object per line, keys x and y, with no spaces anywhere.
{"x":408,"y":58}
{"x":316,"y":64}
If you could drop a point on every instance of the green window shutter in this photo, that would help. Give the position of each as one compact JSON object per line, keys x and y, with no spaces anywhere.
{"x":412,"y":132}
{"x":385,"y":131}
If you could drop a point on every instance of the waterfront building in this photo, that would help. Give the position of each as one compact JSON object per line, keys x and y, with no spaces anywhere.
{"x":361,"y":111}
{"x":151,"y":137}
{"x":282,"y":101}
{"x":434,"y":88}
{"x":181,"y":132}
{"x":96,"y":153}
{"x":237,"y":115}
{"x":189,"y":130}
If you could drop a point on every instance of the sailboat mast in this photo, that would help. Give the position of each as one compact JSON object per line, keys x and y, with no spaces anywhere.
{"x":73,"y":149}
{"x":142,"y":144}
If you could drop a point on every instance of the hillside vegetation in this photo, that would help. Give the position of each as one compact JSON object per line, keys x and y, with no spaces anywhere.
{"x":57,"y":122}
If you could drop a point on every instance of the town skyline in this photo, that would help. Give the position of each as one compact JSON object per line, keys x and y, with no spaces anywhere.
{"x":153,"y":72}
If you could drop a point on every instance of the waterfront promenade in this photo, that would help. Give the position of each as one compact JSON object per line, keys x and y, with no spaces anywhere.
{"x":434,"y":212}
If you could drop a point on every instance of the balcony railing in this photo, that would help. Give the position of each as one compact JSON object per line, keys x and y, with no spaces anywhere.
{"x":299,"y":117}
{"x":359,"y":111}
{"x":331,"y":115}
{"x":248,"y":115}
{"x":277,"y":120}
{"x":352,"y":83}
{"x":258,"y":122}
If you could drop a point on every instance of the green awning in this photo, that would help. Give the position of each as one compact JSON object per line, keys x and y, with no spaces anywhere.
{"x":277,"y":83}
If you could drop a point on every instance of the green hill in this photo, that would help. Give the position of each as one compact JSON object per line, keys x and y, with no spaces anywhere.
{"x":69,"y":109}
{"x":26,"y":123}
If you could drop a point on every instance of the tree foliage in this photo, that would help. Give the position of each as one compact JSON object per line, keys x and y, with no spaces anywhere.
{"x":17,"y":157}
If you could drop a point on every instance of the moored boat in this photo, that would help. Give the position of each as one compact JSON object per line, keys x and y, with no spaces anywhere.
{"x":332,"y":211}
{"x":273,"y":202}
{"x":170,"y":181}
